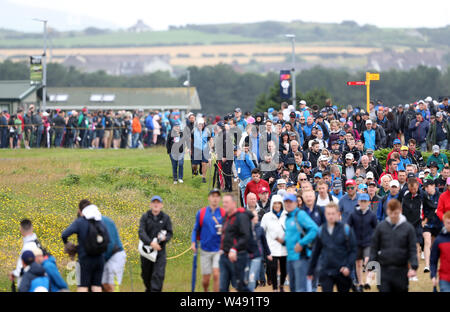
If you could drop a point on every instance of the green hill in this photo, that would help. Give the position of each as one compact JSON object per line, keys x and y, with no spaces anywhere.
{"x":347,"y":32}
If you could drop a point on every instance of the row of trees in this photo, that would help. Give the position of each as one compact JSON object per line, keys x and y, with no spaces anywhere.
{"x":221,"y":88}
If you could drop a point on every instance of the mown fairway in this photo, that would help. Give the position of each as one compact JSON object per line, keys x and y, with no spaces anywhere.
{"x":46,"y":186}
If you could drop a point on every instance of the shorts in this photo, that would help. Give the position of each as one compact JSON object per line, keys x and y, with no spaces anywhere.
{"x":434,"y":230}
{"x":107,"y":134}
{"x":114,"y":267}
{"x":27,"y":134}
{"x":419,"y":233}
{"x":362,"y":253}
{"x":91,"y":271}
{"x":99,"y":133}
{"x":197,"y":154}
{"x":209,"y":260}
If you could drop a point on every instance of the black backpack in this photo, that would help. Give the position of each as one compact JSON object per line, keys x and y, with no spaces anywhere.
{"x":97,"y":238}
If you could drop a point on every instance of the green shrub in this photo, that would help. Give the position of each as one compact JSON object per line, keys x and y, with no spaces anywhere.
{"x":71,"y":179}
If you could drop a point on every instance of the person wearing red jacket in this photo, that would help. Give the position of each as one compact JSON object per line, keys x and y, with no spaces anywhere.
{"x":255,"y":185}
{"x":444,"y":202}
{"x":392,"y":170}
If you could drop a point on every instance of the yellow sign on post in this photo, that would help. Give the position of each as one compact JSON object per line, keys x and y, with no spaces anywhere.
{"x":369,"y":77}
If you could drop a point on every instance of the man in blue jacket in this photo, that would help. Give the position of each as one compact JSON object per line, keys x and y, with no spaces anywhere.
{"x":149,"y":126}
{"x":244,"y":166}
{"x":207,"y":230}
{"x":115,"y":257}
{"x":301,"y":231}
{"x":336,"y":247}
{"x":48,"y":262}
{"x":419,"y":130}
{"x":348,"y":202}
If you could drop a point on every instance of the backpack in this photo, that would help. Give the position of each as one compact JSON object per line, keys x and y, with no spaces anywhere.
{"x":39,"y":245}
{"x":346,"y":233}
{"x":97,"y":238}
{"x":202,"y":217}
{"x":302,"y":234}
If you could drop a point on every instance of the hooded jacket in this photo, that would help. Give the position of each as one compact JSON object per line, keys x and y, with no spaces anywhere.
{"x":56,"y":281}
{"x":274,"y":227}
{"x":293,"y":236}
{"x":443,"y":204}
{"x":412,"y":207}
{"x":33,"y":271}
{"x":394,"y":245}
{"x":441,"y":251}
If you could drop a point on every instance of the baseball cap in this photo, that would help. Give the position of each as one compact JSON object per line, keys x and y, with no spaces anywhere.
{"x":369,"y":151}
{"x":363,"y":196}
{"x":433,"y":164}
{"x":292,"y":115}
{"x":373,"y":183}
{"x":281,"y":181}
{"x":436,"y":149}
{"x":439,"y":114}
{"x":263,"y":190}
{"x":411,"y":175}
{"x":237,"y":109}
{"x":342,"y":120}
{"x":323,"y":158}
{"x":421,"y":175}
{"x":337,"y":184}
{"x":349,"y":156}
{"x":336,"y":152}
{"x":156,"y":197}
{"x":28,"y":257}
{"x":342,"y":133}
{"x":350,"y":182}
{"x":290,"y":161}
{"x":370,"y":175}
{"x":428,"y":182}
{"x":302,"y":102}
{"x":214,"y":191}
{"x":394,"y":183}
{"x":397,"y":141}
{"x":368,"y":121}
{"x":290,"y":197}
{"x":292,"y":134}
{"x":289,"y":184}
{"x":37,"y":251}
{"x":306,"y":164}
{"x":318,"y":175}
{"x":404,"y":148}
{"x":362,"y":186}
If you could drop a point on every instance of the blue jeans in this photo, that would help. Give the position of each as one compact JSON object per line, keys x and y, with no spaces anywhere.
{"x":58,"y":137}
{"x":297,"y":271}
{"x":444,"y":286}
{"x":423,"y":146}
{"x":39,"y":131}
{"x":253,"y":273}
{"x":135,"y":139}
{"x":233,"y":273}
{"x":442,"y":144}
{"x":242,"y":186}
{"x":177,"y":165}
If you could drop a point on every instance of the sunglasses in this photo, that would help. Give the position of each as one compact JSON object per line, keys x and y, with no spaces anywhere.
{"x":350,"y":187}
{"x":303,"y":179}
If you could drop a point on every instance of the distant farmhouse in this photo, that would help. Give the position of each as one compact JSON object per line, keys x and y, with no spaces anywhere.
{"x":140,"y":26}
{"x":127,"y":65}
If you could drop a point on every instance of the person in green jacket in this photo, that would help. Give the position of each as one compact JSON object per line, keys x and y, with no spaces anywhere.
{"x":438,"y":157}
{"x":439,"y":133}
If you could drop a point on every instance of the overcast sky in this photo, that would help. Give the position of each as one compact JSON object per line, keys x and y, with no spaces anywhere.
{"x":159,"y":14}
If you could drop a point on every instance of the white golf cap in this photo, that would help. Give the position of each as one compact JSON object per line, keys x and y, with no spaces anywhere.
{"x":200,"y":120}
{"x":394,"y":183}
{"x":368,"y":121}
{"x":369,"y":175}
{"x":323,"y":158}
{"x":436,"y":149}
{"x":281,"y":181}
{"x":349,"y":156}
{"x":302,"y":102}
{"x":428,"y":99}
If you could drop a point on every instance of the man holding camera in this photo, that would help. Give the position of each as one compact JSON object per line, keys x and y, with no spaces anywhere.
{"x":155,"y":230}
